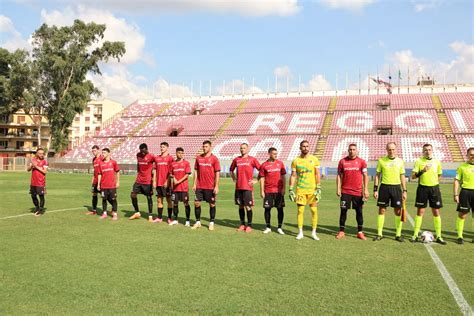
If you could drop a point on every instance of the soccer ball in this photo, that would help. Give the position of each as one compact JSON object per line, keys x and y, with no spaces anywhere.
{"x":427,"y":237}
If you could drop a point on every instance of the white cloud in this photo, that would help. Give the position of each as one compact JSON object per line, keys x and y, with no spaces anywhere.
{"x":118,"y":84}
{"x":11,"y":39}
{"x":282,"y":72}
{"x":350,"y":5}
{"x":118,"y":29}
{"x":461,"y":68}
{"x":318,"y":83}
{"x":420,"y":6}
{"x":165,"y":89}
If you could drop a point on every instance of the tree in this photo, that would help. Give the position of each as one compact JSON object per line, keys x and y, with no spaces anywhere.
{"x":17,"y":82}
{"x":15,"y":79}
{"x":62,"y":58}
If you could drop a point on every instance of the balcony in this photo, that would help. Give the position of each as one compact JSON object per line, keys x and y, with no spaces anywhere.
{"x":22,"y":136}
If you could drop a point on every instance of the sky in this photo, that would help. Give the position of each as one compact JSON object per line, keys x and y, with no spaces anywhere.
{"x":185,"y":47}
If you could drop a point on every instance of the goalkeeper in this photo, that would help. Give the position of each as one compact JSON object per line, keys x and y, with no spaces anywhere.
{"x":305,"y":174}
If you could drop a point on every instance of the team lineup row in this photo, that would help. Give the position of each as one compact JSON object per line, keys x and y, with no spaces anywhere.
{"x":169,"y":178}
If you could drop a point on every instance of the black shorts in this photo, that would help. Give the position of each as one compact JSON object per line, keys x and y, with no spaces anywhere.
{"x":163,"y":192}
{"x":145,"y":189}
{"x":349,"y":201}
{"x":94,"y":188}
{"x":180,"y":197}
{"x":273,"y":200}
{"x":109,"y":194}
{"x":205,"y":195}
{"x":390,"y":194}
{"x":34,"y":190}
{"x":431,"y":194}
{"x":243,"y":197}
{"x":466,"y":201}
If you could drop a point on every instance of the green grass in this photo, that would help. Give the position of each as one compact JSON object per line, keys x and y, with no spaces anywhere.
{"x":69,"y":263}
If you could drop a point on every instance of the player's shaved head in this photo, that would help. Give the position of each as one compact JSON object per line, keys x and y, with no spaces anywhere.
{"x":391,"y":149}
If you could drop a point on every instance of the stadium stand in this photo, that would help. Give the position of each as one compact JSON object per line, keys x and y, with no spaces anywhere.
{"x":446,"y":120}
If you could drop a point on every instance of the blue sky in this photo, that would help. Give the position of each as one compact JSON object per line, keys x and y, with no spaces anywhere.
{"x":174,"y":42}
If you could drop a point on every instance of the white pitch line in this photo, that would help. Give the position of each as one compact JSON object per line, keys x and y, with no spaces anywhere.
{"x":31,"y":214}
{"x":453,"y":287}
{"x":68,"y":209}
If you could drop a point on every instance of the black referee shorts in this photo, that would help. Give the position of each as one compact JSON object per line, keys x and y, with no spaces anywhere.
{"x":431,"y":194}
{"x":390,"y":194}
{"x":466,"y":201}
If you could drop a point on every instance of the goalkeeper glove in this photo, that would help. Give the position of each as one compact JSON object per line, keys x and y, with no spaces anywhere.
{"x":292,"y":195}
{"x":318,"y":192}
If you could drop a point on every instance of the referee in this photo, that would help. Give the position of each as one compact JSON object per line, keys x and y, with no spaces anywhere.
{"x":465,"y":199}
{"x":391,"y":176}
{"x":428,"y":170}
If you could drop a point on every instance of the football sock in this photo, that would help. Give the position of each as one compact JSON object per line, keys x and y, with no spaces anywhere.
{"x":249,"y":217}
{"x":380,"y":222}
{"x":187,"y":209}
{"x":113,"y":202}
{"x":359,"y":218}
{"x":104,"y":205}
{"x":135,"y":203}
{"x":160,"y":212}
{"x":437,"y":225}
{"x":267,"y":215}
{"x":212,"y":212}
{"x":95,"y":199}
{"x":170,"y":212}
{"x":300,"y":216}
{"x":35,"y":201}
{"x":41,"y":201}
{"x":149,"y":200}
{"x":280,"y":216}
{"x":342,"y":219}
{"x":314,"y":217}
{"x":460,"y":226}
{"x":418,"y":221}
{"x":398,"y":225}
{"x":242,"y":216}
{"x":175,"y":212}
{"x":197,"y":212}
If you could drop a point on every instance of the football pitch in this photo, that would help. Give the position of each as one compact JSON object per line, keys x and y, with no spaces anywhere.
{"x":68,"y":263}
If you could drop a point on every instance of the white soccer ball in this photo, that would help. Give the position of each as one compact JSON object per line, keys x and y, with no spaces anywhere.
{"x":427,"y":237}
